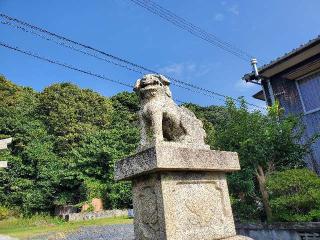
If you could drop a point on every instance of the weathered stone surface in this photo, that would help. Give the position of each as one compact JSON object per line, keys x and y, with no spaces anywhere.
{"x":175,"y":157}
{"x":163,"y":120}
{"x":182,"y":206}
{"x":148,"y":208}
{"x":196,"y":206}
{"x":3,"y":164}
{"x":97,"y":215}
{"x":4,"y":143}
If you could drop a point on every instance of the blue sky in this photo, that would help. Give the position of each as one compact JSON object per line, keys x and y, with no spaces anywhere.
{"x":266,"y":29}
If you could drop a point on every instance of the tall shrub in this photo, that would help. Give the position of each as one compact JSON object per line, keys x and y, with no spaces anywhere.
{"x":295,"y":195}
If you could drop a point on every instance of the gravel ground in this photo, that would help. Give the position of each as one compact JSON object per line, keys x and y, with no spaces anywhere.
{"x":107,"y":232}
{"x":111,"y":232}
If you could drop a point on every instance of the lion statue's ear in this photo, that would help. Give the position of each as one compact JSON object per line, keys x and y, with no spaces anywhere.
{"x":165,"y":81}
{"x":137,"y":86}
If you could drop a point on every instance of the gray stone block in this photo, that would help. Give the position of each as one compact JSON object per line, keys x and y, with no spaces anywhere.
{"x":182,"y":205}
{"x":175,"y":157}
{"x":4,"y":143}
{"x":180,"y":193}
{"x":3,"y":164}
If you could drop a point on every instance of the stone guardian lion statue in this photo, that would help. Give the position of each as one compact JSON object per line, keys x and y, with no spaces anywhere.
{"x":161,"y":119}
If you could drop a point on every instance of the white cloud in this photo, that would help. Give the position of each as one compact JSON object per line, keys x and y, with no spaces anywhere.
{"x":234,"y":9}
{"x":243,"y":86}
{"x":179,"y":69}
{"x":219,"y":17}
{"x":176,"y":69}
{"x":187,"y":70}
{"x":203,"y":70}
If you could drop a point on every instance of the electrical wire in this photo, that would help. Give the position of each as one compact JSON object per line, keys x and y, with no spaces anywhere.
{"x":70,"y":47}
{"x":29,"y":53}
{"x":68,"y":66}
{"x":133,"y":66}
{"x":191,"y":28}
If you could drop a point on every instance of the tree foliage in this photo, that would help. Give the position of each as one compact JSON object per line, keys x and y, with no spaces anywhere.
{"x":295,"y":195}
{"x":70,"y":112}
{"x":67,"y":140}
{"x":265,"y":143}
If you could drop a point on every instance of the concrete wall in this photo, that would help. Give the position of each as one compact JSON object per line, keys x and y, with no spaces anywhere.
{"x":96,"y":215}
{"x":281,"y":231}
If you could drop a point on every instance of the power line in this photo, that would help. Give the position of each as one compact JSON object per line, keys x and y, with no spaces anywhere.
{"x":72,"y":41}
{"x":68,"y":66}
{"x":188,"y":26}
{"x":63,"y":64}
{"x":70,"y":46}
{"x":115,"y":60}
{"x":94,"y":55}
{"x":191,"y":28}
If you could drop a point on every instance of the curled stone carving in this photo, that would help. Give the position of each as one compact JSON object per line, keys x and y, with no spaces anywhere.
{"x":161,"y":119}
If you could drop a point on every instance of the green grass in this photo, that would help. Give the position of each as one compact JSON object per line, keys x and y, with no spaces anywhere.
{"x":40,"y":225}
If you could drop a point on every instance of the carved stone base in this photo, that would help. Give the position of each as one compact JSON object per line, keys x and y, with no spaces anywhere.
{"x":181,"y":206}
{"x":180,"y":193}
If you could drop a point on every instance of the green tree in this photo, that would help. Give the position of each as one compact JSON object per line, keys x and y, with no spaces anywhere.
{"x":29,"y":181}
{"x":17,"y":111}
{"x":96,"y":156}
{"x":265,"y":143}
{"x":70,"y":112}
{"x":46,"y":127}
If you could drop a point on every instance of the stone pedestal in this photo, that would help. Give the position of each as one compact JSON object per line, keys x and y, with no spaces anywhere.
{"x":180,"y":193}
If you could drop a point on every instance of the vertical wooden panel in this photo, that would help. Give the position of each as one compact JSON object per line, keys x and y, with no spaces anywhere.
{"x":287,"y":94}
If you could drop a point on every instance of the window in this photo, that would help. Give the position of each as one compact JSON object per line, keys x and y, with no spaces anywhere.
{"x":309,"y":91}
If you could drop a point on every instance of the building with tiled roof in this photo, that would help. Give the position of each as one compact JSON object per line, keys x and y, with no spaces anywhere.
{"x":294,"y":80}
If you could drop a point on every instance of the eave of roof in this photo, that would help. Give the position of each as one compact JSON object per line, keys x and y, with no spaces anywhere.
{"x":259,"y":95}
{"x":286,"y":57}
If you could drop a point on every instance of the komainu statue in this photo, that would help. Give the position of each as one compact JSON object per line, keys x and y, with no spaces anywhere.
{"x":161,"y":119}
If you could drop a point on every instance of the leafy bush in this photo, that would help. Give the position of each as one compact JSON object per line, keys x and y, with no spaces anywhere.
{"x":295,"y":195}
{"x":265,"y":143}
{"x":36,"y":220}
{"x":4,"y":213}
{"x":94,"y":188}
